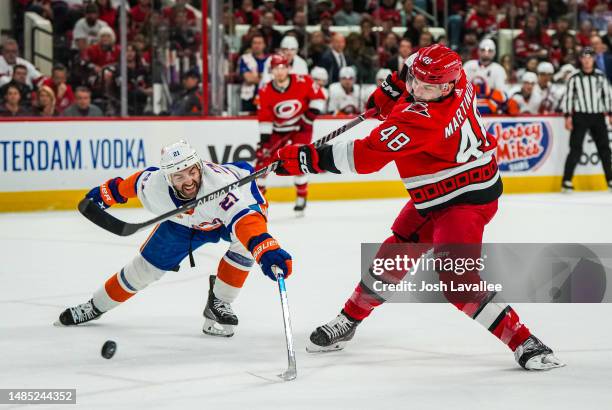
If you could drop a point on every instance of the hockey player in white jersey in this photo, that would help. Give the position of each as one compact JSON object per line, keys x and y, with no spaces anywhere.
{"x":289,"y":47}
{"x":485,"y":68}
{"x":549,"y":93}
{"x":345,"y":96}
{"x":238,"y":218}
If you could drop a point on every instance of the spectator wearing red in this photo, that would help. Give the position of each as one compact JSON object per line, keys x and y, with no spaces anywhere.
{"x":105,"y":52}
{"x":387,"y":11}
{"x":533,"y":41}
{"x":583,"y":37}
{"x":108,"y":13}
{"x":246,"y":14}
{"x":268,"y":7}
{"x":169,"y":13}
{"x":513,"y":18}
{"x":64,"y":96}
{"x":139,"y":14}
{"x":142,"y":48}
{"x":481,"y":20}
{"x":388,"y":48}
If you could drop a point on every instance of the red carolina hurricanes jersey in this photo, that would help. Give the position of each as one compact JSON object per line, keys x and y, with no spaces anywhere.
{"x":281,"y":110}
{"x":442,"y":150}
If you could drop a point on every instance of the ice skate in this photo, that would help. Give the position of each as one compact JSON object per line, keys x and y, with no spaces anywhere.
{"x":79,"y":314}
{"x":332,"y":336}
{"x":532,"y":354}
{"x":300,"y":206}
{"x":220,"y":318}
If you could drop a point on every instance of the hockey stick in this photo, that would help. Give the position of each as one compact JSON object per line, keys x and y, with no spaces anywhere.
{"x":108,"y":222}
{"x":291,"y":372}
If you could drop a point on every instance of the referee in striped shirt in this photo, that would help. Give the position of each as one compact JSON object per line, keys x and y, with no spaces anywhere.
{"x":586,"y":104}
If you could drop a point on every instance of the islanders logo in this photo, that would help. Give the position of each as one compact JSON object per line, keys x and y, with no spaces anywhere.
{"x":521,"y":145}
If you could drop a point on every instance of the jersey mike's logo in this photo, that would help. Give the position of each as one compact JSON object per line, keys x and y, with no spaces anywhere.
{"x":521,"y":146}
{"x":287,"y":109}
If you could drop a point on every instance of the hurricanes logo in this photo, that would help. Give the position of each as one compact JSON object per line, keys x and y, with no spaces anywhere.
{"x":287,"y":109}
{"x":419,"y":108}
{"x":427,"y":60}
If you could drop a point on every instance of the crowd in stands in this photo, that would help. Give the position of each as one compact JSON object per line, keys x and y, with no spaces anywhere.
{"x":162,"y":41}
{"x":346,"y":46}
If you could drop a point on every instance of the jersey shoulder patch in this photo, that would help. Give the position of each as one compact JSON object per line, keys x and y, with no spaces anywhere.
{"x":420,"y":108}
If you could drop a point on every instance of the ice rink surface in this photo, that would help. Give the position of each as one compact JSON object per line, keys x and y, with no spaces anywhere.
{"x":417,"y":356}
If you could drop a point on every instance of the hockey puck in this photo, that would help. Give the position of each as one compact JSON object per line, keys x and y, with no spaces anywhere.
{"x":108,"y":349}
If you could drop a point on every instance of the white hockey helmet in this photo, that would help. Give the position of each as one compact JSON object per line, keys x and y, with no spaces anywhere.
{"x":347,"y":72}
{"x":545,"y":68}
{"x":529,"y":77}
{"x":487,"y":44}
{"x":319,"y":73}
{"x":382,"y":74}
{"x":289,"y":42}
{"x":177,"y":157}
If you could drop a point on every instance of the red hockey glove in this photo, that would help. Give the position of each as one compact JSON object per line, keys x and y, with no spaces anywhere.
{"x":387,"y":94}
{"x":298,"y":160}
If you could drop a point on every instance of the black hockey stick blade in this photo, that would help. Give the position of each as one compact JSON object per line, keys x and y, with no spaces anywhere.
{"x":108,"y":222}
{"x":103,"y":219}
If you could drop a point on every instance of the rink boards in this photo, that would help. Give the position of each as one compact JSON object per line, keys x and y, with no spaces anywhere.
{"x":50,"y":164}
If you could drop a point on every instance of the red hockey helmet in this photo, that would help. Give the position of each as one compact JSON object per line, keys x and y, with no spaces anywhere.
{"x":436,"y":64}
{"x":279,"y":59}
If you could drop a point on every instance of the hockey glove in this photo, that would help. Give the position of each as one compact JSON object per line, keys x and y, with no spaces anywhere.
{"x":387,"y":94}
{"x":298,"y":160}
{"x":268,"y":253}
{"x":107,"y":194}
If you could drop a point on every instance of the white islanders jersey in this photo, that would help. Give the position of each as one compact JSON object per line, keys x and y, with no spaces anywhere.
{"x":157,"y":197}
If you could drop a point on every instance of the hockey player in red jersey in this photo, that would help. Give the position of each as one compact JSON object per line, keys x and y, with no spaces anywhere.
{"x":287,"y":107}
{"x":432,"y":130}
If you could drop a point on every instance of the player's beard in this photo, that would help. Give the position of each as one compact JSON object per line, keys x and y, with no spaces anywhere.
{"x":486,"y":60}
{"x":189,"y":190}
